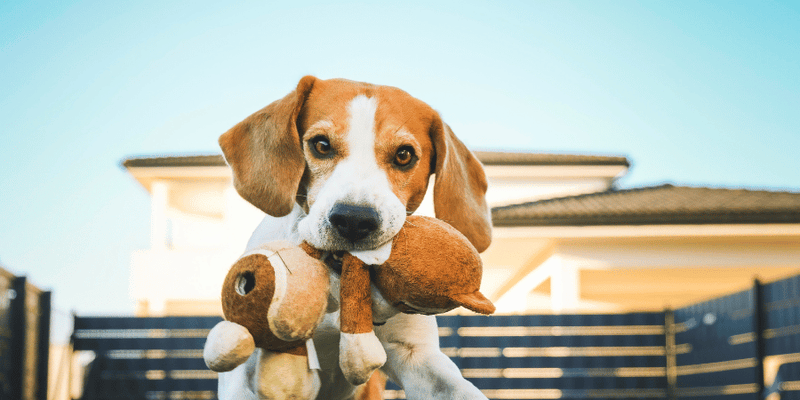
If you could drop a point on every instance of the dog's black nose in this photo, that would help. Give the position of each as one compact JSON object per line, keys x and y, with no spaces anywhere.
{"x":353,"y":222}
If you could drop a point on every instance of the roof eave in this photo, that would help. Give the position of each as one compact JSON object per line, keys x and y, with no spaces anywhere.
{"x":654,"y":219}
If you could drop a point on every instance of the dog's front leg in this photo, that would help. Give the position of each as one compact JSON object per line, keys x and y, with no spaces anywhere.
{"x":415,"y":362}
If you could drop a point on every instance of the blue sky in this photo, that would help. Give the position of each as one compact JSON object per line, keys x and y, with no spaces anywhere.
{"x":693,"y":92}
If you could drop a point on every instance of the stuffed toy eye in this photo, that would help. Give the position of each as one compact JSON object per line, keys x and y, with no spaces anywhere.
{"x":245,"y":283}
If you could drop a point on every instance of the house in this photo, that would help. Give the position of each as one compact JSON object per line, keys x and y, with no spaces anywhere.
{"x":641,"y":249}
{"x":565,"y":239}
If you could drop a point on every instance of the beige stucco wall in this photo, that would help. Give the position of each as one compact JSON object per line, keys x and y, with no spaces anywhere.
{"x":637,"y":267}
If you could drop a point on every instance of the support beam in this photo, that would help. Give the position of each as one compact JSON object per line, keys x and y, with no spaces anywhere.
{"x":515,"y":299}
{"x":565,"y":289}
{"x":159,"y":201}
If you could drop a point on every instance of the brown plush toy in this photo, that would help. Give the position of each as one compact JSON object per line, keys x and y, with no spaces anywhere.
{"x":279,"y":293}
{"x":432,"y":269}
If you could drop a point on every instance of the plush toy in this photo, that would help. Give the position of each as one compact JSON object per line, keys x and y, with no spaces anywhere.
{"x":272,"y":298}
{"x":432,"y":269}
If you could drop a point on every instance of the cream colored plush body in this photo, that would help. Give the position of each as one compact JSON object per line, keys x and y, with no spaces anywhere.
{"x":340,"y":164}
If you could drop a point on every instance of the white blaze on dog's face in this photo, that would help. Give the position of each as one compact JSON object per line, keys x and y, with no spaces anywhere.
{"x":367,"y":166}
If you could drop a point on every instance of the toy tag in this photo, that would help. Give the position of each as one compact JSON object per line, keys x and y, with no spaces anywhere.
{"x":313,"y":361}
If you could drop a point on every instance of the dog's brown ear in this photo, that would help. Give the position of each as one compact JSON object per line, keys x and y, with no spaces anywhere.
{"x":459,"y":188}
{"x":266,"y":155}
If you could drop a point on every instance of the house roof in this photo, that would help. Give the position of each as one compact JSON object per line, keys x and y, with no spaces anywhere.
{"x":509,"y":158}
{"x":656,"y":205}
{"x":486,"y":157}
{"x":200,"y":160}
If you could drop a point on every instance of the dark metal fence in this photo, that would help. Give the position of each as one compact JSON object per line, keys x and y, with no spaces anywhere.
{"x":741,"y":346}
{"x":24,"y":339}
{"x":717,"y":354}
{"x":146,"y":358}
{"x":560,"y":356}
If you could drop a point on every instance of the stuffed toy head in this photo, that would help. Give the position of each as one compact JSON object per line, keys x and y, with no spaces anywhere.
{"x":432,"y":269}
{"x":279,"y":293}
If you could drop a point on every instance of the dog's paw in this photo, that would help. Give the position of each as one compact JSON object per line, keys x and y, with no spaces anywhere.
{"x":228,"y":345}
{"x":360,"y":354}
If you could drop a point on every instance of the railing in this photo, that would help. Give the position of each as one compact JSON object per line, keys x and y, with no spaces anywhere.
{"x":742,"y":346}
{"x":560,"y":356}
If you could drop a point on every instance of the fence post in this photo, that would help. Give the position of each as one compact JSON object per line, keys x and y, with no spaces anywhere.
{"x":42,"y":364}
{"x":758,"y":332}
{"x":16,"y":353}
{"x":669,"y":352}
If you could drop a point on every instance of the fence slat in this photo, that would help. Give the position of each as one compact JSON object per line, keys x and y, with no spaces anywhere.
{"x":140,"y":343}
{"x":106,"y":323}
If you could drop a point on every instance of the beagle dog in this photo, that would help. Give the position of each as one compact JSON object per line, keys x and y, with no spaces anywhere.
{"x":340,"y":164}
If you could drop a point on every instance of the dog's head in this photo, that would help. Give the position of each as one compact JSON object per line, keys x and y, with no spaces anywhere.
{"x":357,"y":158}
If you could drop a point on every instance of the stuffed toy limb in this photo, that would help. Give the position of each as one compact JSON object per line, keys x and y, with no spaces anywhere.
{"x":273,"y":298}
{"x":360,"y":351}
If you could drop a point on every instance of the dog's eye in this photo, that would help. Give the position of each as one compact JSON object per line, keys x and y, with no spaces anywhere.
{"x":321,"y":146}
{"x":404,"y":156}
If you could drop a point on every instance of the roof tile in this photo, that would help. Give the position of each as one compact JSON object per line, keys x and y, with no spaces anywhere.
{"x":665,"y":204}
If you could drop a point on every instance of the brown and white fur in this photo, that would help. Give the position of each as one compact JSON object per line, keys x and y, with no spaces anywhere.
{"x":340,"y":164}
